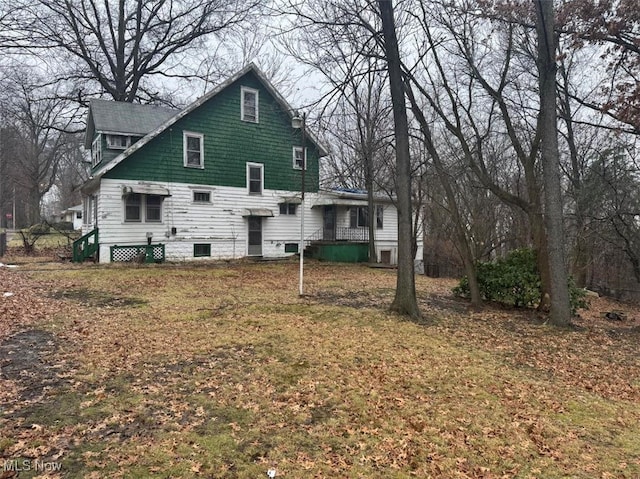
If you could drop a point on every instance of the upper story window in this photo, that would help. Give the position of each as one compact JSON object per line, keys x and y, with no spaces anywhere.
{"x":202,"y":197}
{"x":255,"y":178}
{"x":359,"y":217}
{"x":249,"y":104}
{"x":298,"y":158}
{"x":96,"y":150}
{"x":193,"y":149}
{"x":118,"y":142}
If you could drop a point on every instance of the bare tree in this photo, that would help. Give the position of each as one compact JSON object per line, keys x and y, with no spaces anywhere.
{"x":405,"y":298}
{"x":560,"y":310}
{"x":34,"y":140}
{"x":122,"y":46}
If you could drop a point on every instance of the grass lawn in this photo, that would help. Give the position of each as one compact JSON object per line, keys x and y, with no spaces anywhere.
{"x":222,"y":371}
{"x":50,"y":240}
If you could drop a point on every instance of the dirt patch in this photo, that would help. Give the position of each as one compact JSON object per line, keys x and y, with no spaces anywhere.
{"x":25,"y":361}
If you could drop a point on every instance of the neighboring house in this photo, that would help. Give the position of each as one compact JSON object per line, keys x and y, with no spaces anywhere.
{"x":73,"y":215}
{"x":219,"y":179}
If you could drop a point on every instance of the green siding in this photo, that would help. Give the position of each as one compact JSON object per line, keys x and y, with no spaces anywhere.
{"x":229,"y":144}
{"x":343,"y":252}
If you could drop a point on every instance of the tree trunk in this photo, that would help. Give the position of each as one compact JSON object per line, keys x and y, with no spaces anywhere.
{"x":373,"y":257}
{"x":560,"y":309}
{"x":405,"y":301}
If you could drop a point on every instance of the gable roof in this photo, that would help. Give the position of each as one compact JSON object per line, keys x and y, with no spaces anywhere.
{"x":119,"y":117}
{"x":287,"y":108}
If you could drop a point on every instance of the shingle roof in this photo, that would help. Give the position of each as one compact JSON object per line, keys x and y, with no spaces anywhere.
{"x":106,"y":116}
{"x":95,"y":179}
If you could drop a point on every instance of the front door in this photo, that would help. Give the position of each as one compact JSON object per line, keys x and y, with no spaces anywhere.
{"x":329,"y":225}
{"x":255,"y":236}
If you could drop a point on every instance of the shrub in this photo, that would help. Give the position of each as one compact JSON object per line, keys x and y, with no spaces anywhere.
{"x":62,"y":226}
{"x":39,"y":229}
{"x":515,"y":281}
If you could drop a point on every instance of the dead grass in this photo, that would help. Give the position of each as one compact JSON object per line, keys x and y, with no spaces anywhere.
{"x":223,"y":371}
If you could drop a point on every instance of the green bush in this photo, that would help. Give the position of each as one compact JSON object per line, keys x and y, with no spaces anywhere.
{"x":63,"y":226}
{"x":39,"y":229}
{"x":515,"y":281}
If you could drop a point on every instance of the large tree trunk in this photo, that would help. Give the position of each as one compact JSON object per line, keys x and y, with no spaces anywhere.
{"x":560,"y":309}
{"x":405,"y":300}
{"x":373,"y":257}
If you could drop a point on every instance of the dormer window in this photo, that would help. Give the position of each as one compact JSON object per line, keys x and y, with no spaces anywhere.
{"x":249,"y":104}
{"x":96,"y":151}
{"x":118,"y":142}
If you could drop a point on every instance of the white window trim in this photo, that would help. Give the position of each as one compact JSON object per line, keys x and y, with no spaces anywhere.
{"x":296,"y":149}
{"x":254,"y":165}
{"x":143,"y":211}
{"x":200,"y":137}
{"x":96,"y":150}
{"x":244,"y":90}
{"x":118,"y":146}
{"x":193,"y":197}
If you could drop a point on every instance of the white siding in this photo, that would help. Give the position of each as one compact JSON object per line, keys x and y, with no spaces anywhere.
{"x":219,"y":223}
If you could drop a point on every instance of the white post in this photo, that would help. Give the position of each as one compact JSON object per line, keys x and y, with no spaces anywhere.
{"x":304,"y":170}
{"x":300,"y":122}
{"x":302,"y":246}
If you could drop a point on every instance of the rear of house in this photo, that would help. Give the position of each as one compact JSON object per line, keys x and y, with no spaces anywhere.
{"x":219,"y":179}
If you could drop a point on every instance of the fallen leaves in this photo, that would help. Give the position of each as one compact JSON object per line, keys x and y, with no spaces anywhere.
{"x":223,"y":371}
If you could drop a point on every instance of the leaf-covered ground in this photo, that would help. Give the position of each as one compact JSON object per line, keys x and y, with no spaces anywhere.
{"x":222,"y":371}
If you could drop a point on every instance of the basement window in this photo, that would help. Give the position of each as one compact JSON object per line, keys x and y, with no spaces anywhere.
{"x":201,"y":250}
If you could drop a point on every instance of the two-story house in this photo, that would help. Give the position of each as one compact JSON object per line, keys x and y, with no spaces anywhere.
{"x":219,"y":179}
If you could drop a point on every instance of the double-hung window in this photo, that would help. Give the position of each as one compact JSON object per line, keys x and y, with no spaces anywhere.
{"x":288,"y":208}
{"x":153,"y":210}
{"x":139,"y":208}
{"x":193,"y":146}
{"x":133,"y":207}
{"x":255,"y":178}
{"x":298,"y":158}
{"x":249,"y":102}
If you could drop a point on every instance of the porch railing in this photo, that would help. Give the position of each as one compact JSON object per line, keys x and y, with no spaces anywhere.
{"x":86,"y":247}
{"x":359,"y":235}
{"x":342,"y":233}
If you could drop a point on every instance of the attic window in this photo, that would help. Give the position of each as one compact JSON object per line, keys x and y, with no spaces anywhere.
{"x":249,"y":104}
{"x":193,"y":144}
{"x":118,"y":142}
{"x":298,"y":158}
